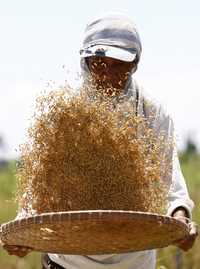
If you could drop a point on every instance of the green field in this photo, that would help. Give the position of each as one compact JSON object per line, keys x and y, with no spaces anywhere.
{"x":167,"y":258}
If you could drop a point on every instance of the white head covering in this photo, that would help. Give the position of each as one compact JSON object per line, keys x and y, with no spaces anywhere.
{"x":114,"y":36}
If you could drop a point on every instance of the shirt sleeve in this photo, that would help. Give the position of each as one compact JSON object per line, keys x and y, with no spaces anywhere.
{"x":178,"y":194}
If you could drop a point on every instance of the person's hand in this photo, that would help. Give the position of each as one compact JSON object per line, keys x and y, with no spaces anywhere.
{"x":188,"y":242}
{"x":19,"y":251}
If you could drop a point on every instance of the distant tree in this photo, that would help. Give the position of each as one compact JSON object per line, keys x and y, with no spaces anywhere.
{"x":3,"y":161}
{"x":191,"y":147}
{"x":1,"y":142}
{"x":190,"y":152}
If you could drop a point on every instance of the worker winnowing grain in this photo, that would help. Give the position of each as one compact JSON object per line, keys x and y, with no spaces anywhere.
{"x":110,"y":55}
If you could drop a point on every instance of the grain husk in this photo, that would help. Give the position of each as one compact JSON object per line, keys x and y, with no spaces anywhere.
{"x":84,"y":152}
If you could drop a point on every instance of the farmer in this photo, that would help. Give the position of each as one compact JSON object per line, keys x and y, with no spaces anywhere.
{"x":110,"y":55}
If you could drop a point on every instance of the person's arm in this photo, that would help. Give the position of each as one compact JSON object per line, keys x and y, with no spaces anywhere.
{"x":19,"y":251}
{"x":185,"y":244}
{"x":178,"y":194}
{"x":180,"y":204}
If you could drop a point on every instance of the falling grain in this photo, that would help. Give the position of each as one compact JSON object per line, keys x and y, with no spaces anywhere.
{"x":84,"y":153}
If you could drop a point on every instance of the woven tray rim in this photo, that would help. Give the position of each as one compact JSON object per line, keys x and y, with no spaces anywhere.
{"x":51,"y":217}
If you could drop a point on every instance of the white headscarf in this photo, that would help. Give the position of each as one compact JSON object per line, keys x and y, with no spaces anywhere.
{"x":115,"y":32}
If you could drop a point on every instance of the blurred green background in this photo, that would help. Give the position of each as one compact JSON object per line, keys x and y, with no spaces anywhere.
{"x":170,"y":257}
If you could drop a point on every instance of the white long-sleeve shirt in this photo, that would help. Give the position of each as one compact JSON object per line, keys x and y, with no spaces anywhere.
{"x":178,"y":196}
{"x":136,"y":260}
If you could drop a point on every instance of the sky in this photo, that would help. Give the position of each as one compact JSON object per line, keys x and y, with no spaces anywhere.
{"x":40,"y":42}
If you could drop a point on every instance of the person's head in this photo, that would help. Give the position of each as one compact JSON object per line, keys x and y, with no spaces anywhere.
{"x":111,"y":50}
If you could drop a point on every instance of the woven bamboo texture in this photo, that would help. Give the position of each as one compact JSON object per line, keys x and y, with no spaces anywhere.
{"x":93,"y":232}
